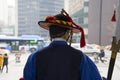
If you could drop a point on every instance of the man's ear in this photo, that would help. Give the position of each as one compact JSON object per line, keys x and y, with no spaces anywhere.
{"x":67,"y":35}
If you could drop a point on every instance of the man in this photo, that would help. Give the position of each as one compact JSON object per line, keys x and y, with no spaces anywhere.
{"x":5,"y":62}
{"x":59,"y":61}
{"x":101,"y":55}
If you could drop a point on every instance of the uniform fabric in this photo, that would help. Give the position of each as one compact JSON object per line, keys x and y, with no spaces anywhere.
{"x":59,"y":61}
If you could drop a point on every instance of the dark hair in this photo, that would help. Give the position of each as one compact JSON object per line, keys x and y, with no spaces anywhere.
{"x":56,"y":31}
{"x":5,"y":54}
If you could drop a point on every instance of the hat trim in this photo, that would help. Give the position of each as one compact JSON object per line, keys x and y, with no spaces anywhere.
{"x":46,"y":24}
{"x":61,"y":22}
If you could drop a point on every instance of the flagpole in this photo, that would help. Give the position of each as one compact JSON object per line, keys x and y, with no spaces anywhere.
{"x":100,"y":23}
{"x":115,"y":45}
{"x":115,"y":48}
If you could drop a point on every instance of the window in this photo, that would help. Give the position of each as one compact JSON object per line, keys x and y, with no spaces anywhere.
{"x":85,"y":9}
{"x":85,"y":20}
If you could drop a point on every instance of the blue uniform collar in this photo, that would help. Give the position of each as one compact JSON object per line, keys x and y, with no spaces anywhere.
{"x":58,"y":42}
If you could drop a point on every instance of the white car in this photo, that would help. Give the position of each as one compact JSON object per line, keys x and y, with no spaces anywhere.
{"x":88,"y":49}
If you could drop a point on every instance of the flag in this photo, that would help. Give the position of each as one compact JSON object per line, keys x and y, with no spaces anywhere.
{"x":114,"y":16}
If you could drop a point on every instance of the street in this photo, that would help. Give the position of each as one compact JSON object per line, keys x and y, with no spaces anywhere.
{"x":16,"y":69}
{"x":103,"y":67}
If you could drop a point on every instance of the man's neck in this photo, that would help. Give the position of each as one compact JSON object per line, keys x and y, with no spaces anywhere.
{"x":58,"y":39}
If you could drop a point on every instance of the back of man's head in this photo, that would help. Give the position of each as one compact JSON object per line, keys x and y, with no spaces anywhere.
{"x":56,"y":31}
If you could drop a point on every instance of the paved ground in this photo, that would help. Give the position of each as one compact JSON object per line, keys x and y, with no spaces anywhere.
{"x":103,"y":67}
{"x":16,"y":69}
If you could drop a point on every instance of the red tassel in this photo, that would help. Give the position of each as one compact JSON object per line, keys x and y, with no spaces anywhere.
{"x":21,"y":78}
{"x":114,"y":17}
{"x":82,"y":40}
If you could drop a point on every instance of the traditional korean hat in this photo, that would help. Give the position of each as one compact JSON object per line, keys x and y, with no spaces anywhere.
{"x":65,"y":21}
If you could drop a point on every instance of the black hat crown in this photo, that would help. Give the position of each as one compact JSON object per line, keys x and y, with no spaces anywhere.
{"x":62,"y":17}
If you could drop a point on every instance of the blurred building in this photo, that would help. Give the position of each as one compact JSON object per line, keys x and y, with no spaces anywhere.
{"x":3,"y":11}
{"x":32,"y":11}
{"x":117,"y":22}
{"x":95,"y":17}
{"x":75,"y":6}
{"x":78,"y":9}
{"x":3,"y":17}
{"x":11,"y":20}
{"x":101,"y":29}
{"x":7,"y":18}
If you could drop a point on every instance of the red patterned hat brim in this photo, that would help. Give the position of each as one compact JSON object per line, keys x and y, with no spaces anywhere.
{"x":45,"y":25}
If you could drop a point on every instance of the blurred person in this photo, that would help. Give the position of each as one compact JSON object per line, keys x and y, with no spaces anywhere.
{"x":95,"y":57}
{"x":1,"y":62}
{"x":5,"y":62}
{"x":17,"y":57}
{"x":101,"y":55}
{"x":58,"y":60}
